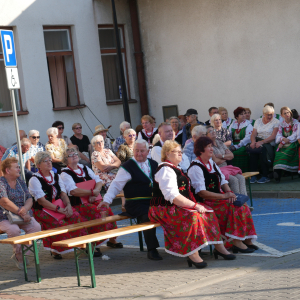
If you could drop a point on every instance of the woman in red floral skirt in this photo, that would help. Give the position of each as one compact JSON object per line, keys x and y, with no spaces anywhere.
{"x":188,"y":226}
{"x":46,"y":186}
{"x":209,"y":183}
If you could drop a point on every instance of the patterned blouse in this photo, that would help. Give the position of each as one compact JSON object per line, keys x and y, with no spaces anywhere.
{"x":224,"y":135}
{"x":14,"y":195}
{"x":57,"y":151}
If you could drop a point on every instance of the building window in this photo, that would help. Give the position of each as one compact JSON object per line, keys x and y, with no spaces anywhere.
{"x":5,"y":101}
{"x":111,"y":72}
{"x":61,"y":67}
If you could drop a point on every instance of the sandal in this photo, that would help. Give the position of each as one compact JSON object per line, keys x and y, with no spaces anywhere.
{"x":114,"y":245}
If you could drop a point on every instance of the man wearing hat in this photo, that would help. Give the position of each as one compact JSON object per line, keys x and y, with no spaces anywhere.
{"x":191,"y":118}
{"x":100,"y":129}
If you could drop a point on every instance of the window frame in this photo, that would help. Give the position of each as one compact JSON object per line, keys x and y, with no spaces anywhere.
{"x":114,"y":51}
{"x":63,"y":53}
{"x":21,"y":111}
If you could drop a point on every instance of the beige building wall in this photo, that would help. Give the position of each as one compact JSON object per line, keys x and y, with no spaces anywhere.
{"x":203,"y":53}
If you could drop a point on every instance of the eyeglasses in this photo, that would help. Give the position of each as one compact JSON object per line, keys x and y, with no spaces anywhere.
{"x":178,"y":152}
{"x":47,"y":160}
{"x":78,"y":128}
{"x":73,"y":155}
{"x":60,"y":127}
{"x":35,"y":137}
{"x":99,"y":143}
{"x":132,"y":135}
{"x":212,"y":131}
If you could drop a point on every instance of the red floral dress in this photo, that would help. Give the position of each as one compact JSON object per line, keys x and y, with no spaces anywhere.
{"x":185,"y":231}
{"x":235,"y":222}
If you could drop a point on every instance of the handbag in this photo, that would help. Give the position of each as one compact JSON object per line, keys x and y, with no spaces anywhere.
{"x":240,"y":200}
{"x":14,"y":218}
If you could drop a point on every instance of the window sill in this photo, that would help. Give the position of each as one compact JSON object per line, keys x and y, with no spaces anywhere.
{"x":9,"y":114}
{"x":69,"y":107}
{"x":118,"y":102}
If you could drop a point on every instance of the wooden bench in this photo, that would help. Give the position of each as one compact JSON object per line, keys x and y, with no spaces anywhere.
{"x":29,"y":241}
{"x":247,"y":177}
{"x":86,"y":242}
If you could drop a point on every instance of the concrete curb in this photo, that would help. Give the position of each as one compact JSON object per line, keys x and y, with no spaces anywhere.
{"x":276,"y":194}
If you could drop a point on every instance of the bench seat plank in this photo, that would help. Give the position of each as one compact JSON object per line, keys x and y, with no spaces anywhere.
{"x":105,"y":235}
{"x":249,"y":174}
{"x":22,"y":239}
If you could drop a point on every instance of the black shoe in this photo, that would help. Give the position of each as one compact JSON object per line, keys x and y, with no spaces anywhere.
{"x":277,"y":177}
{"x":225,"y":256}
{"x":236,"y":249}
{"x":251,"y":246}
{"x":154,"y":255}
{"x":114,"y":245}
{"x":55,"y":255}
{"x":199,"y":265}
{"x":97,"y":252}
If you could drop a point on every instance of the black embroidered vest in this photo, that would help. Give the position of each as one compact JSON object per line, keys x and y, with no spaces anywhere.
{"x":47,"y":189}
{"x":76,"y":200}
{"x":183,"y":183}
{"x":151,"y":138}
{"x":212,"y":180}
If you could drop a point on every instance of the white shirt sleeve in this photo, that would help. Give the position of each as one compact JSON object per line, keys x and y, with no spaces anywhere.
{"x":247,"y":139}
{"x":279,"y":136}
{"x":35,"y":188}
{"x":185,"y":163}
{"x":156,"y":154}
{"x":167,"y":181}
{"x":293,"y":137}
{"x":117,"y":185}
{"x":61,"y":185}
{"x":68,"y":181}
{"x":139,"y":136}
{"x":93,"y":175}
{"x":196,"y":176}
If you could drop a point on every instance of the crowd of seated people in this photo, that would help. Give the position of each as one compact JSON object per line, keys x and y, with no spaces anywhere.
{"x":182,"y":167}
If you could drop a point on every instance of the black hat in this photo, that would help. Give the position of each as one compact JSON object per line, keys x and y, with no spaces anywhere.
{"x":191,"y":111}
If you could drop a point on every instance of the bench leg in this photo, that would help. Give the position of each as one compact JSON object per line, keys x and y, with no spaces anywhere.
{"x":91,"y":263}
{"x":37,"y":262}
{"x":24,"y":264}
{"x":210,"y":250}
{"x":140,"y":237}
{"x":250,"y":192}
{"x":77,"y":264}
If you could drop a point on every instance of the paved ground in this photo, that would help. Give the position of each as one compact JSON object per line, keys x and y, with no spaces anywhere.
{"x":273,"y":273}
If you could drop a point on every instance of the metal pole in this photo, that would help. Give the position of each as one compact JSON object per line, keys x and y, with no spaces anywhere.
{"x":15,"y":115}
{"x":121,"y":66}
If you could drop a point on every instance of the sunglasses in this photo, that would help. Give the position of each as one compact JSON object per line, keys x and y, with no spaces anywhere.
{"x":35,"y":137}
{"x":132,"y":135}
{"x":60,"y":127}
{"x":78,"y":128}
{"x":73,"y":155}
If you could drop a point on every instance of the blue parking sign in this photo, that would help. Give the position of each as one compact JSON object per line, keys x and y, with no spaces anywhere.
{"x":8,"y":46}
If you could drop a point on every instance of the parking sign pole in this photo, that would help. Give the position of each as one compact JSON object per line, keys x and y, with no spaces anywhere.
{"x":15,"y":116}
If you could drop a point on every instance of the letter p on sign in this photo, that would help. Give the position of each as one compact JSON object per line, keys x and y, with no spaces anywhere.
{"x":8,"y":46}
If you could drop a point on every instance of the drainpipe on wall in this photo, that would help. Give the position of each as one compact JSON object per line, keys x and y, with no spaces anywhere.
{"x":138,"y":54}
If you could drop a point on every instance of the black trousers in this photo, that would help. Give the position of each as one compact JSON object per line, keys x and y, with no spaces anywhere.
{"x":149,"y":235}
{"x":264,"y":164}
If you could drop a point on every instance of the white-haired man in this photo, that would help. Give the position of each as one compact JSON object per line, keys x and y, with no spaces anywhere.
{"x":166,"y":133}
{"x":120,"y":139}
{"x":135,"y":178}
{"x":197,"y":132}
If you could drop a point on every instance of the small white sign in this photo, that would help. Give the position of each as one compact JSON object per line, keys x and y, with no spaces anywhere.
{"x":12,"y":78}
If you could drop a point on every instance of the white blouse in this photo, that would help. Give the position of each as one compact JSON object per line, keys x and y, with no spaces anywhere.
{"x":247,"y":139}
{"x":265,"y":130}
{"x":167,"y":180}
{"x":293,"y":137}
{"x":70,"y":184}
{"x":196,"y":176}
{"x":35,"y":187}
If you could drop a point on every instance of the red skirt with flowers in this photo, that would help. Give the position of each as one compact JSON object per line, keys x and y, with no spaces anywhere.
{"x":89,"y":212}
{"x":48,"y":222}
{"x":186,"y":231}
{"x":235,"y":222}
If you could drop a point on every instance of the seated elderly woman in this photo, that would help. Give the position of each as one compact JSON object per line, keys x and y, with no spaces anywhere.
{"x":14,"y":197}
{"x":262,"y":144}
{"x":175,"y":123}
{"x":46,"y":187}
{"x":120,"y":139}
{"x":211,"y":187}
{"x":76,"y":173}
{"x":105,"y":164}
{"x":197,"y":132}
{"x":241,"y":130}
{"x":222,"y":134}
{"x":248,"y":115}
{"x":125,"y":151}
{"x":220,"y":157}
{"x":286,"y":155}
{"x":56,"y":147}
{"x":224,"y":117}
{"x":60,"y":129}
{"x":188,"y":226}
{"x":36,"y":145}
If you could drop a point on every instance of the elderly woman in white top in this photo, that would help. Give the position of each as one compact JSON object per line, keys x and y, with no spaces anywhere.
{"x":222,"y":133}
{"x":262,"y":144}
{"x":36,"y":145}
{"x":120,"y":139}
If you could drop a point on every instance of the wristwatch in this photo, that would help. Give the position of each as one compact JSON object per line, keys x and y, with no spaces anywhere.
{"x":57,"y":208}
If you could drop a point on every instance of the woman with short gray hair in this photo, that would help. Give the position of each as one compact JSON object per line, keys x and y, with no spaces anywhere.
{"x":125,"y":151}
{"x":120,"y":139}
